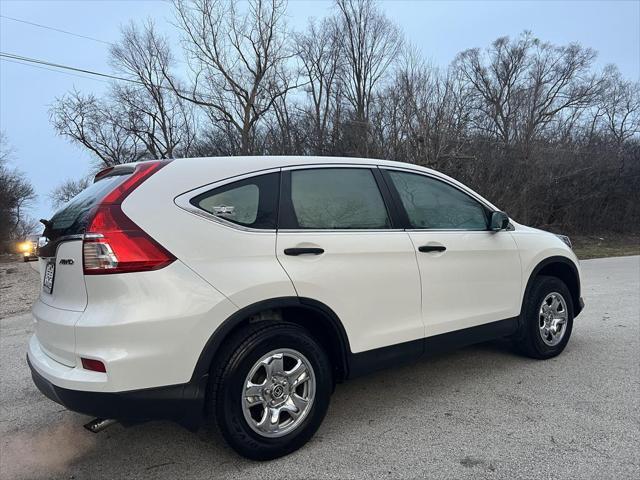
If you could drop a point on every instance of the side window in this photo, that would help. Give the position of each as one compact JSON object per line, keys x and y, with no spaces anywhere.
{"x":251,"y":202}
{"x":336,"y":198}
{"x":433,"y":204}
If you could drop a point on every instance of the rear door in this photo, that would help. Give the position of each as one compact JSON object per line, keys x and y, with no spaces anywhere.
{"x":61,"y":257}
{"x":470,"y":275}
{"x":338,"y":245}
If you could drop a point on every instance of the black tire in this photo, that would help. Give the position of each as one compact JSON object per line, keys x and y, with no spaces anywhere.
{"x":529,"y":341}
{"x":229,"y":372}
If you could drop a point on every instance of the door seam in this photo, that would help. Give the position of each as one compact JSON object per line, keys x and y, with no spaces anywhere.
{"x":282,"y":266}
{"x":415,"y":255}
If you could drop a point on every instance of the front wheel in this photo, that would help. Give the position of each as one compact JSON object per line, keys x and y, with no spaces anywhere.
{"x":270,"y":391}
{"x":547,"y":319}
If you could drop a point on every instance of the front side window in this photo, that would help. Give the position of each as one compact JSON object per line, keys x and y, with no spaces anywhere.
{"x":251,"y":202}
{"x":433,"y":204}
{"x":337,"y":198}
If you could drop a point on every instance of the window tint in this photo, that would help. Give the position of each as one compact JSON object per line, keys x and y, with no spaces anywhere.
{"x":251,"y":202}
{"x":431,"y":203}
{"x":337,"y":198}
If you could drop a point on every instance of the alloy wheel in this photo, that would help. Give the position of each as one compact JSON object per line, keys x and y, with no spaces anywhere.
{"x":278,"y":393}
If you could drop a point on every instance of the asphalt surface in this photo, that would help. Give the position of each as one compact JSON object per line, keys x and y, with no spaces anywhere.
{"x":481,"y":412}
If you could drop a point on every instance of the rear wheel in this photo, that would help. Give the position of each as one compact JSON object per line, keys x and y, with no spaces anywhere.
{"x":270,"y":390}
{"x":547,"y":319}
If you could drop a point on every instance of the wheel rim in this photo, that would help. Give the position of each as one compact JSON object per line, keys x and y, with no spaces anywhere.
{"x":552,"y":318}
{"x":278,"y":393}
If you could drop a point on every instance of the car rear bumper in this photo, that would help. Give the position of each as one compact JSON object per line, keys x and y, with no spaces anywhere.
{"x":182,"y":403}
{"x":148,"y":329}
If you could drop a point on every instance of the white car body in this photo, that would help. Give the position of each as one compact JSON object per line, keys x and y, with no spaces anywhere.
{"x":156,"y":329}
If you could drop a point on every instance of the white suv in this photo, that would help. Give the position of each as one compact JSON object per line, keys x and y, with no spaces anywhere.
{"x":244,"y":288}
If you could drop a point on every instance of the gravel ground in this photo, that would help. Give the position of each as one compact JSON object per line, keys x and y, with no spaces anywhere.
{"x":481,"y":412}
{"x":19,"y":287}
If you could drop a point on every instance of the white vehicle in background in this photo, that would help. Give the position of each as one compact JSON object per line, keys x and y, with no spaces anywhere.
{"x":244,"y":288}
{"x":29,"y":248}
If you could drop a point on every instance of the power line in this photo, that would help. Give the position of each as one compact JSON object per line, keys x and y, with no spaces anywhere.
{"x":34,"y":62}
{"x":13,"y":56}
{"x":59,"y":30}
{"x":67,"y":32}
{"x":17,"y":62}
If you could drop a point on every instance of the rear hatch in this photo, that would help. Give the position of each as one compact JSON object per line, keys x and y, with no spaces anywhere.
{"x":63,"y":287}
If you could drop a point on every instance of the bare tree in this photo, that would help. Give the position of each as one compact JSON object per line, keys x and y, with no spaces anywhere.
{"x":620,"y":105}
{"x":98,"y":125}
{"x":281,"y":134}
{"x":522,"y":86}
{"x":372,"y":43}
{"x":239,"y":59}
{"x":67,"y":190}
{"x":139,"y":118}
{"x":558,"y":78}
{"x":6,"y":150}
{"x":161,"y":120}
{"x":27,"y":226}
{"x":320,"y":53}
{"x":423,"y":115}
{"x":16,"y":196}
{"x":431,"y":109}
{"x":497,"y":75}
{"x":526,"y":122}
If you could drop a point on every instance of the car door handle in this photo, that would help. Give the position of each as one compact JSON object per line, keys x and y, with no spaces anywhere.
{"x":303,"y":251}
{"x":432,"y":248}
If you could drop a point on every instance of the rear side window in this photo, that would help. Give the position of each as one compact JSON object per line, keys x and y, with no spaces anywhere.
{"x":251,"y":202}
{"x":336,"y":198}
{"x":432,"y":204}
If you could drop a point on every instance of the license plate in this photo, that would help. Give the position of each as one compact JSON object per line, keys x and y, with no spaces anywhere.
{"x":49,"y":273}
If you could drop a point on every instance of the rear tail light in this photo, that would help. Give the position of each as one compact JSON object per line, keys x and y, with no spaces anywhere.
{"x":113,"y":243}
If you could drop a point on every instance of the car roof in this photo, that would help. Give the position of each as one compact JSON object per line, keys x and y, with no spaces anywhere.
{"x":258,"y":162}
{"x":251,"y":163}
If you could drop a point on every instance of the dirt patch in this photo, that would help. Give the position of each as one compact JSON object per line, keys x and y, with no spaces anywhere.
{"x":19,"y":287}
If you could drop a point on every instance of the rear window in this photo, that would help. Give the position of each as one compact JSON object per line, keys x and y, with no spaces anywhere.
{"x":73,"y":217}
{"x":337,"y":199}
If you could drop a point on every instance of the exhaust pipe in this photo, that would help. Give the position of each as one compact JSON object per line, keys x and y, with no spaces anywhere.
{"x":98,"y":424}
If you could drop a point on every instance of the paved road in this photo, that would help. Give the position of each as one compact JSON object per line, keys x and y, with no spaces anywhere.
{"x":481,"y":412}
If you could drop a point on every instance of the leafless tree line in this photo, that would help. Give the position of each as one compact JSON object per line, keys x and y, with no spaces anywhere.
{"x":16,"y":196}
{"x":532,"y":125}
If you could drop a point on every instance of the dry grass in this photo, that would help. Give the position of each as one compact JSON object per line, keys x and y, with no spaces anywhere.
{"x":606,"y":245}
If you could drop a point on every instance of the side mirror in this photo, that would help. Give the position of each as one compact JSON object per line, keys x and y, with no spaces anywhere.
{"x":499,"y":221}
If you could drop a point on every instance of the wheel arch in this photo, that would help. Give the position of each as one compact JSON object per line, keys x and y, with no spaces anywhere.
{"x":317,"y":317}
{"x":564,"y":269}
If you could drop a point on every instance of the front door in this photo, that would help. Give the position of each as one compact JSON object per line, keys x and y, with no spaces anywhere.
{"x":470,"y":275}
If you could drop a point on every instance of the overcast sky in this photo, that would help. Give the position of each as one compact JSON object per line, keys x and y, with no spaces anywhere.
{"x":439,"y":28}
